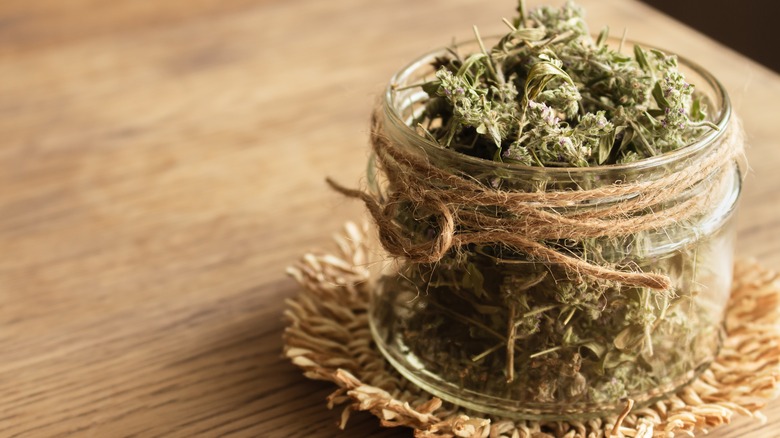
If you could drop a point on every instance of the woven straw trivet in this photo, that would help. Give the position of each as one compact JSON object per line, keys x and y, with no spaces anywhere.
{"x":329,"y":338}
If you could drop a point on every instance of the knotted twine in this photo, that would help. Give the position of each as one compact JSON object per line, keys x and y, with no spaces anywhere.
{"x":458,"y":204}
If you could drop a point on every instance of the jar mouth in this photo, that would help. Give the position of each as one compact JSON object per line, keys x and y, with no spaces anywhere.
{"x":720,"y":103}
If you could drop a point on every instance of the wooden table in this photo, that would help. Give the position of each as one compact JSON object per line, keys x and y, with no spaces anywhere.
{"x":162,"y":162}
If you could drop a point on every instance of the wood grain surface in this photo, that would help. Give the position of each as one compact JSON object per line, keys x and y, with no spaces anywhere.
{"x":162,"y":162}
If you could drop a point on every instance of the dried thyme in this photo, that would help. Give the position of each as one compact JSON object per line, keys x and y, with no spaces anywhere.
{"x":547,"y":94}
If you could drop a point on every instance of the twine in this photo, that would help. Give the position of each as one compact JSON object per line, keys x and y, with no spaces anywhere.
{"x":328,"y":338}
{"x":458,"y":204}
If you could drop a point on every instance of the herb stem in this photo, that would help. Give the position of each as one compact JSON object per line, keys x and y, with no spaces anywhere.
{"x":499,"y":77}
{"x":510,"y":343}
{"x":536,"y":311}
{"x":416,"y":85}
{"x":509,"y":24}
{"x":571,"y":314}
{"x":468,"y":320}
{"x":547,"y":351}
{"x":485,"y":353}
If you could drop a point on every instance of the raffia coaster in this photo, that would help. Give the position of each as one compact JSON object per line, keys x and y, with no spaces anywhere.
{"x":329,"y":338}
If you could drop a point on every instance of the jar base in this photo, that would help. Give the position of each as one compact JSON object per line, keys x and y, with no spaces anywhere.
{"x":517,"y":410}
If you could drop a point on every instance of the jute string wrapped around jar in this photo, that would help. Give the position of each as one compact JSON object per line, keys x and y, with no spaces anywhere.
{"x":457,"y":202}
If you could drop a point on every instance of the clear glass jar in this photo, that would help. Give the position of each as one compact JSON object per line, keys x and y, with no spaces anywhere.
{"x":501,"y":333}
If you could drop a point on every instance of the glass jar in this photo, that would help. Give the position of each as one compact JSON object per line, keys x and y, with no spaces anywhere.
{"x":502,"y":333}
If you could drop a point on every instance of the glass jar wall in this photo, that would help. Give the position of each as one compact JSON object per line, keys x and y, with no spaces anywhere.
{"x":497,"y":331}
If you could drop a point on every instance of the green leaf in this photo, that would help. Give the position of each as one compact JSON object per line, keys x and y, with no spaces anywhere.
{"x":603,"y":35}
{"x":540,"y":75}
{"x":641,"y":58}
{"x":473,"y":61}
{"x":521,"y":14}
{"x":643,"y":145}
{"x":431,"y":87}
{"x":495,"y":134}
{"x":628,"y":137}
{"x":606,"y":143}
{"x":614,"y":358}
{"x":529,"y":34}
{"x":651,"y":117}
{"x":697,"y":110}
{"x":595,"y":348}
{"x":628,"y":339}
{"x":658,"y":54}
{"x":620,"y":58}
{"x":658,"y":95}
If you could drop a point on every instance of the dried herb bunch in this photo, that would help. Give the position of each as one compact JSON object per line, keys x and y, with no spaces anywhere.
{"x":549,"y":95}
{"x":531,"y":332}
{"x":501,"y":323}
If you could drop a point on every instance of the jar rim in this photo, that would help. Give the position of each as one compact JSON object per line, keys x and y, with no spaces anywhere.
{"x":684,"y":152}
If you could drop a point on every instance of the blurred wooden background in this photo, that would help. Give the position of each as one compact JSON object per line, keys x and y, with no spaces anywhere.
{"x":161,"y":163}
{"x":748,"y":27}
